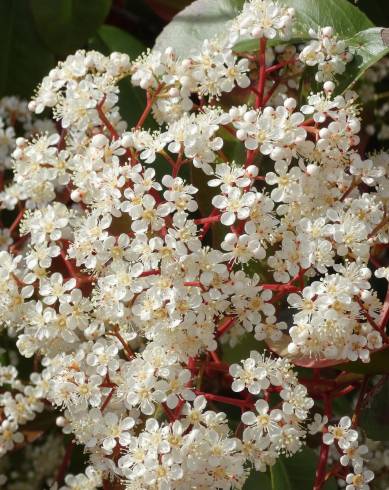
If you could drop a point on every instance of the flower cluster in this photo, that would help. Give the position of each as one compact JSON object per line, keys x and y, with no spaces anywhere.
{"x":262,"y":19}
{"x":271,"y":432}
{"x":327,"y":52}
{"x":346,"y":438}
{"x":138,"y":257}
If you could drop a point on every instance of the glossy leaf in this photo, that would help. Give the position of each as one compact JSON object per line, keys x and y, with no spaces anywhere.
{"x":346,"y":18}
{"x":24,"y":59}
{"x":206,"y":18}
{"x":368,"y":48}
{"x":201,"y":20}
{"x":242,"y":350}
{"x":66,"y":25}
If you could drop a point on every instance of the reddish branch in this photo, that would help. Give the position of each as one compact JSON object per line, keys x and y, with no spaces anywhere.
{"x":324,"y":450}
{"x":262,"y":72}
{"x":103,"y":118}
{"x":65,"y":462}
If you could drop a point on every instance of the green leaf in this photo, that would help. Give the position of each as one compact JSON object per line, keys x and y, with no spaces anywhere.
{"x":368,"y":48}
{"x":258,"y":481}
{"x":117,"y":40}
{"x":375,"y":418}
{"x":279,"y":476}
{"x":343,"y":16}
{"x":201,"y":20}
{"x":132,"y":100}
{"x":66,"y":25}
{"x":24,"y":59}
{"x":297,"y":472}
{"x":205,"y":18}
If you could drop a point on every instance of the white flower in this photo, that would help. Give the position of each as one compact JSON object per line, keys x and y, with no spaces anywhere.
{"x":354,"y":455}
{"x":264,"y":421}
{"x":262,"y":18}
{"x":326,"y":51}
{"x":250,"y":376}
{"x":359,"y":479}
{"x":296,"y":401}
{"x":9,"y":435}
{"x":236,"y":205}
{"x":55,"y":288}
{"x":342,"y":433}
{"x":318,"y":423}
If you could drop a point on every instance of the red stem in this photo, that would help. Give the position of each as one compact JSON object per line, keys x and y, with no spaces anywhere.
{"x":324,"y":450}
{"x":361,"y":399}
{"x":280,"y":65}
{"x":226,"y":326}
{"x":112,"y":131}
{"x":65,"y":462}
{"x":262,"y":72}
{"x":370,"y":320}
{"x":209,"y":219}
{"x":126,"y":347}
{"x":236,"y":402}
{"x":149,"y":105}
{"x":271,"y":91}
{"x":107,"y":400}
{"x":384,"y":316}
{"x":17,"y":220}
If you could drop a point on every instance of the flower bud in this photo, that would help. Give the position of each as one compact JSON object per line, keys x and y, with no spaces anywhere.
{"x":99,"y":141}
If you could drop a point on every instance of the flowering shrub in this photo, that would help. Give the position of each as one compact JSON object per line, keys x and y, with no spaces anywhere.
{"x":195,"y":293}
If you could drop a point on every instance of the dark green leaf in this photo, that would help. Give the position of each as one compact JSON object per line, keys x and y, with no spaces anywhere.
{"x":279,"y":476}
{"x":258,"y":481}
{"x":66,"y":25}
{"x":24,"y":59}
{"x":117,"y":40}
{"x":297,"y":472}
{"x":171,"y":4}
{"x":375,"y":417}
{"x":242,"y":350}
